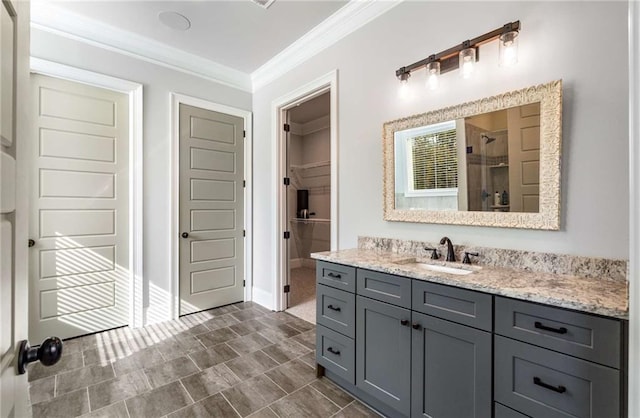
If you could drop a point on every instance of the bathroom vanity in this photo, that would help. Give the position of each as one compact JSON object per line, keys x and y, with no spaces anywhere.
{"x":470,"y":341}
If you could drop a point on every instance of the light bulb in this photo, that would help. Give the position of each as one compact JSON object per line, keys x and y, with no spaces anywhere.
{"x":433,"y":75}
{"x":467,"y":62}
{"x":403,"y":91}
{"x":508,"y":49}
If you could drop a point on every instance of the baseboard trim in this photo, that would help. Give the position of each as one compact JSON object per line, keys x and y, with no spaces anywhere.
{"x":264,"y":298}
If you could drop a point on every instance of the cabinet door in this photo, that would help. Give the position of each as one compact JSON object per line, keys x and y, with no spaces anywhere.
{"x":383,"y":352}
{"x":451,"y":369}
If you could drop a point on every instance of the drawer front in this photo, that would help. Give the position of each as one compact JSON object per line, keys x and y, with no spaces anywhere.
{"x":336,"y":309}
{"x":385,"y":287}
{"x":543,"y":383}
{"x":585,"y":336}
{"x":459,"y":305}
{"x":336,"y":353}
{"x":336,"y":275}
{"x":502,"y":411}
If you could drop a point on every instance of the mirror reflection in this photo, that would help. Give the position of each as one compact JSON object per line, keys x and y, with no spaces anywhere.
{"x":488,"y":162}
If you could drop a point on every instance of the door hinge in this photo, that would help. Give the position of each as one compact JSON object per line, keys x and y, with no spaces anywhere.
{"x":287,"y":288}
{"x":244,"y":283}
{"x":287,"y":181}
{"x":244,"y":232}
{"x":244,"y":183}
{"x":244,"y":134}
{"x":287,"y":235}
{"x":287,"y":127}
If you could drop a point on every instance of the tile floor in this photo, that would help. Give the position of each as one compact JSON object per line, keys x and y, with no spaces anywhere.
{"x":237,"y":360}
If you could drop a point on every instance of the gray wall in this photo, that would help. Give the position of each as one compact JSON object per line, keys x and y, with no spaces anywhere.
{"x":559,"y":40}
{"x":158,"y":83}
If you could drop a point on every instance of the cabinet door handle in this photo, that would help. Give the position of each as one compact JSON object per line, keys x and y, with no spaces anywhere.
{"x":539,"y":382}
{"x":335,"y":276}
{"x":332,"y":351}
{"x":334,"y":308}
{"x":404,"y":322}
{"x":415,"y":326}
{"x":561,"y":330}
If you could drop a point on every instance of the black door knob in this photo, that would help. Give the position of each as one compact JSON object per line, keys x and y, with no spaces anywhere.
{"x":415,"y":326}
{"x":404,"y":322}
{"x":31,"y":243}
{"x":48,"y":353}
{"x":185,"y":235}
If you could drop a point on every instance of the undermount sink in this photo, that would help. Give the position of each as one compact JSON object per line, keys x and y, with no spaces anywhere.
{"x":443,"y":269}
{"x":412,"y":262}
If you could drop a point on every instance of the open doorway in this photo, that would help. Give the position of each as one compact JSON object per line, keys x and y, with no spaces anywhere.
{"x":308,"y":197}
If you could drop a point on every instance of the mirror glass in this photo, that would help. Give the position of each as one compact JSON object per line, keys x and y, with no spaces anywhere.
{"x":491,"y":162}
{"x":485,"y":162}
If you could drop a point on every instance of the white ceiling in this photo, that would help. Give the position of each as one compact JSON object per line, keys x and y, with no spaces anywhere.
{"x":238,"y":34}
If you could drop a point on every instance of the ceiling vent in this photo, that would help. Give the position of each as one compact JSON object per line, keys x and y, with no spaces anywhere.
{"x":263,"y":3}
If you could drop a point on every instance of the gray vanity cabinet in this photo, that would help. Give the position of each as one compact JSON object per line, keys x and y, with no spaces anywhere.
{"x":450,"y":369}
{"x":383,"y":352}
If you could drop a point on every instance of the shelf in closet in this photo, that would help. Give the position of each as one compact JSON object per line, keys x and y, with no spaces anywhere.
{"x":310,"y":165}
{"x":499,"y":166}
{"x":310,"y":220}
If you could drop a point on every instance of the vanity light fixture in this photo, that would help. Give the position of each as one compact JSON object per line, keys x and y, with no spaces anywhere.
{"x":464,"y":55}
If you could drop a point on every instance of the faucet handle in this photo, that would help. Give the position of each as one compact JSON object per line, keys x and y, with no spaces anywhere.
{"x":466,"y":259}
{"x":434,"y":253}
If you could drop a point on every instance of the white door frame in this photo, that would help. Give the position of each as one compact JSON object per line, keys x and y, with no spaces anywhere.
{"x":328,"y":82}
{"x":176,"y":100}
{"x":134,"y":92}
{"x":634,"y":208}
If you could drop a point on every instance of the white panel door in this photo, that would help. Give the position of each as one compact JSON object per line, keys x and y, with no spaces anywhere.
{"x":79,"y":265}
{"x":13,"y":389}
{"x":524,"y":158}
{"x":211,"y":209}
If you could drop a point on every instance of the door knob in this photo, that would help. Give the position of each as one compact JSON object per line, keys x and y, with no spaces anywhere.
{"x":185,"y":235}
{"x":31,"y":243}
{"x":48,"y":353}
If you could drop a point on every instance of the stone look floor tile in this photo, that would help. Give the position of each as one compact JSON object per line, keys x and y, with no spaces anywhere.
{"x":310,"y":359}
{"x":332,"y":392}
{"x":292,"y":375}
{"x":71,"y":346}
{"x":209,"y":381}
{"x":42,"y":389}
{"x":356,"y":410}
{"x":164,"y":373}
{"x":216,"y":337}
{"x":286,"y":350}
{"x":247,"y":327}
{"x":253,"y":394}
{"x":248,"y":343}
{"x":308,"y":339}
{"x":118,"y":389}
{"x":117,"y":410}
{"x":178,"y":346}
{"x":212,"y":356}
{"x":251,"y":365}
{"x":145,"y":358}
{"x":81,"y":378}
{"x":213,"y":406}
{"x":306,"y":402}
{"x":264,"y":413}
{"x":279,"y":333}
{"x":221,"y":322}
{"x":159,"y":402}
{"x":106,"y":354}
{"x":246,"y":314}
{"x":66,"y":363}
{"x":72,"y":404}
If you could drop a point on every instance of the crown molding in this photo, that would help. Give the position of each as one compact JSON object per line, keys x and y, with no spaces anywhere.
{"x":61,"y":22}
{"x":346,"y":20}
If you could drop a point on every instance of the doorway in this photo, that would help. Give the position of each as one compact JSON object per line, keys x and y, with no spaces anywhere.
{"x":310,"y":171}
{"x":308,"y":198}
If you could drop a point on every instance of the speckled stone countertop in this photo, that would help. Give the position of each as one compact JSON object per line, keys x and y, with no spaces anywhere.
{"x":593,"y":295}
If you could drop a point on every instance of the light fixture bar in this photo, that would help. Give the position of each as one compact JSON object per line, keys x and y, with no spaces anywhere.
{"x":449,"y":57}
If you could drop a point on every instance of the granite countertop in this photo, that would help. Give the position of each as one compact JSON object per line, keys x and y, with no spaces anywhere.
{"x":600,"y":296}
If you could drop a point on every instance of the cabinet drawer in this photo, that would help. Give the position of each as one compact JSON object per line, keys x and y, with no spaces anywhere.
{"x":585,"y":336}
{"x":336,"y":275}
{"x":336,"y":309}
{"x":385,"y":287}
{"x":543,"y":383}
{"x":459,"y":305}
{"x":336,"y":353}
{"x":502,"y":411}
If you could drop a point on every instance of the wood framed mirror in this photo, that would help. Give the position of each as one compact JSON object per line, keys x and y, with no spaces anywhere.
{"x":490,"y":162}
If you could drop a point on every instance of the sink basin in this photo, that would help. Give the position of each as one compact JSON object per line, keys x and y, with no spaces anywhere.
{"x":443,"y":269}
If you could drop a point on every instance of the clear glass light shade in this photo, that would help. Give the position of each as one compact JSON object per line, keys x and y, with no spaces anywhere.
{"x":433,"y":75}
{"x":403,"y":91}
{"x":467,"y":62}
{"x":508,"y":48}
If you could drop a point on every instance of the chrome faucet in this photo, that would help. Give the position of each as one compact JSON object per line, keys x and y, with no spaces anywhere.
{"x":451,"y":255}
